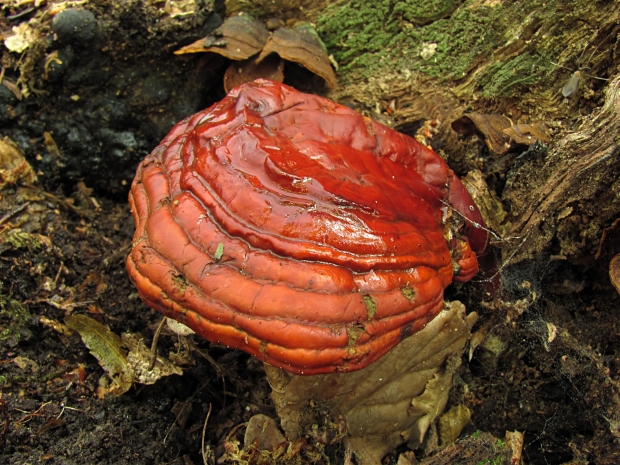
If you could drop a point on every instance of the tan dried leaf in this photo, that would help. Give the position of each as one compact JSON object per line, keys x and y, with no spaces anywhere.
{"x":499,"y":133}
{"x":301,"y":45}
{"x":527,"y":134}
{"x":179,"y":328}
{"x":452,"y":423}
{"x":13,"y":166}
{"x":487,"y":201}
{"x":238,"y":38}
{"x":514,"y":441}
{"x":139,"y":359}
{"x":614,"y":272}
{"x":55,"y":325}
{"x":23,"y":36}
{"x":106,"y":348}
{"x":264,"y":432}
{"x":488,"y":127}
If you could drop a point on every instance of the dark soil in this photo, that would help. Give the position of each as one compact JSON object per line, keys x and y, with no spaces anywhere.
{"x":113,"y":94}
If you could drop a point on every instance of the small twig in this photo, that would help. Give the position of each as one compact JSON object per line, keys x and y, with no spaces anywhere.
{"x":204,"y":432}
{"x":348,"y":454}
{"x":65,"y":407}
{"x":29,"y":415}
{"x":21,"y":13}
{"x":58,"y":274}
{"x":219,"y":371}
{"x":61,"y":412}
{"x":66,"y":306}
{"x":14,"y":212}
{"x":64,"y":203}
{"x":154,"y":344}
{"x":213,"y":363}
{"x":172,"y":426}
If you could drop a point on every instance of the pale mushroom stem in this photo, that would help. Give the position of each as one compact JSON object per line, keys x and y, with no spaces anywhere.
{"x":391,"y":402}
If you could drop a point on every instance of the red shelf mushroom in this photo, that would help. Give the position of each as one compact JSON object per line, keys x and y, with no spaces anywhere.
{"x":295,"y":229}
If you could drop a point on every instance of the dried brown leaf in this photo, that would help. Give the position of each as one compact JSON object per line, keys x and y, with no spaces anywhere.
{"x":527,"y":134}
{"x":614,"y":272}
{"x":301,"y":45}
{"x":487,"y":201}
{"x":139,"y":361}
{"x":238,"y":38}
{"x":13,"y":166}
{"x":179,"y":328}
{"x":106,"y":348}
{"x":452,"y":423}
{"x":24,"y":35}
{"x":499,"y":133}
{"x":263,"y":432}
{"x":488,"y":127}
{"x":52,"y":423}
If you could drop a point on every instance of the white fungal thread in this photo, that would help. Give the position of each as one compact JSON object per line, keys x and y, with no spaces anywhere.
{"x":521,"y":240}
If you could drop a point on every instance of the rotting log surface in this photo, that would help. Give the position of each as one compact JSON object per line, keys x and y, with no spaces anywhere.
{"x":572,"y":193}
{"x":295,"y":229}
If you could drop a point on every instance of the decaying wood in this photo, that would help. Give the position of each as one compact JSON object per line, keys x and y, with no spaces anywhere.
{"x":571,"y":194}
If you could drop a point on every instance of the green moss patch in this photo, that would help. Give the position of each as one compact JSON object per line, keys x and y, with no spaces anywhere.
{"x":408,"y":292}
{"x":13,"y":318}
{"x":366,"y":36}
{"x":371,"y":306}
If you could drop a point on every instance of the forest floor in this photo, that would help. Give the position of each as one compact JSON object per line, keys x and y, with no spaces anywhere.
{"x":549,"y":369}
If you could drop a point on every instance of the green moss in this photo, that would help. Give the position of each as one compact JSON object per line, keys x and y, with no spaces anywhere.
{"x":503,"y":79}
{"x":18,"y":239}
{"x":353,"y":333}
{"x":371,"y":306}
{"x":467,"y":37}
{"x":424,"y":12}
{"x":408,"y":293}
{"x":357,"y":31}
{"x":180,"y":282}
{"x":494,"y":48}
{"x":13,"y":318}
{"x":499,"y":460}
{"x":365,"y":36}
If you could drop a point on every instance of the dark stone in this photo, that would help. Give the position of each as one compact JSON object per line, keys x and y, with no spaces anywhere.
{"x":73,"y":26}
{"x":156,"y":90}
{"x":108,"y":112}
{"x":88,"y":73}
{"x":6,"y":96}
{"x":57,"y":68}
{"x":6,"y":113}
{"x":121,"y":140}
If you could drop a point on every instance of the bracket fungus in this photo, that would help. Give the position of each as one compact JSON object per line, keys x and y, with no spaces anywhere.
{"x":317,"y":240}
